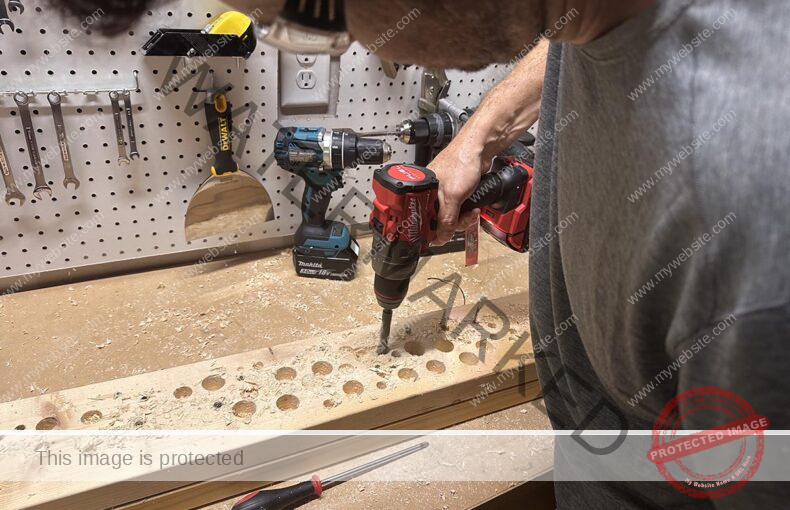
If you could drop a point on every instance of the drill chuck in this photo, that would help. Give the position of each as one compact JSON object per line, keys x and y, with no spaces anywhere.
{"x":434,"y":130}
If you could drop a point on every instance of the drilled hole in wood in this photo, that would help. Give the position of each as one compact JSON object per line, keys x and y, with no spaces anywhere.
{"x":19,"y":427}
{"x":437,"y":367}
{"x":287,"y":403}
{"x":249,"y":393}
{"x":217,"y":404}
{"x":329,"y":403}
{"x":244,"y":409}
{"x":91,"y":417}
{"x":322,"y":368}
{"x":353,"y":388}
{"x":443,"y":345}
{"x":48,"y":423}
{"x":345,"y":367}
{"x":183,"y":392}
{"x":213,"y":383}
{"x":468,"y":358}
{"x":489,"y":345}
{"x":285,"y":374}
{"x":258,"y":365}
{"x":381,"y":385}
{"x":407,"y":374}
{"x":395,"y":354}
{"x":414,"y":348}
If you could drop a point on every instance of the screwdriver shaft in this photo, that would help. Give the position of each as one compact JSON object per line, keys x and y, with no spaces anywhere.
{"x":370,"y":466}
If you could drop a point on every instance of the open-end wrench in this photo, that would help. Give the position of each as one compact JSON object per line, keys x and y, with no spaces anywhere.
{"x":16,"y":5}
{"x":12,"y":193}
{"x":63,"y":142}
{"x":119,"y":138}
{"x":22,"y":101}
{"x":4,"y":18}
{"x":127,"y":103}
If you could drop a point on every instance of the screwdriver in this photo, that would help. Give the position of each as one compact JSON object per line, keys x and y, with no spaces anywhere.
{"x":301,"y":493}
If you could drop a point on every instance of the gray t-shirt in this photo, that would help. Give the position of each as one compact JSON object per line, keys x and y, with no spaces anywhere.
{"x":659,"y":220}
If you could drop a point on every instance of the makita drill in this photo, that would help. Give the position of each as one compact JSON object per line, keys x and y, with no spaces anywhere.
{"x":324,"y":249}
{"x":404,"y":222}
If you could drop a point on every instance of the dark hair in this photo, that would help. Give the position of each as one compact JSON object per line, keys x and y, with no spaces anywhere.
{"x":113,"y":16}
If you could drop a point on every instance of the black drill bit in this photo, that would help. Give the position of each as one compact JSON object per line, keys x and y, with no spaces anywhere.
{"x":384,"y":334}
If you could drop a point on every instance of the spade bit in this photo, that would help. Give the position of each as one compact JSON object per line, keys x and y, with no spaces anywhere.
{"x":12,"y":193}
{"x":119,"y":138}
{"x":22,"y":101}
{"x":127,"y":103}
{"x":16,"y":5}
{"x":5,"y":19}
{"x":63,"y":142}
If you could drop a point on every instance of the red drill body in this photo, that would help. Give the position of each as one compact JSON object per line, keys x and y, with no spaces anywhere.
{"x":404,"y":221}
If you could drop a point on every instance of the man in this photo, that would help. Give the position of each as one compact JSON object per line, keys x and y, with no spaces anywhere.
{"x":659,"y":205}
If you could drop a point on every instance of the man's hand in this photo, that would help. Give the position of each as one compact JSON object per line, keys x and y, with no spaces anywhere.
{"x":459,"y":168}
{"x":504,"y":115}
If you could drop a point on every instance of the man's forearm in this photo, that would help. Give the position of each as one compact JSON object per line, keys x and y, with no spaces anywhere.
{"x":510,"y":108}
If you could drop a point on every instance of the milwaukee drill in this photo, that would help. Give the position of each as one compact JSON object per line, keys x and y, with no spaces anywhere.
{"x":324,"y":249}
{"x":404,"y":222}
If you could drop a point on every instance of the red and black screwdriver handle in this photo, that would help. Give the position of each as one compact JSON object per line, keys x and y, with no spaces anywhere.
{"x":281,"y":499}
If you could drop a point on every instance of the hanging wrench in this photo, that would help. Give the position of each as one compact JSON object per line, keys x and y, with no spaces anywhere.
{"x":127,"y":102}
{"x":16,"y":5}
{"x":12,"y":193}
{"x":4,"y":18}
{"x":63,"y":142}
{"x":119,"y":138}
{"x":22,"y":101}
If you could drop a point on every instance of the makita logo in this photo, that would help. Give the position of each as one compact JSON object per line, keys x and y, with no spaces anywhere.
{"x":316,"y":265}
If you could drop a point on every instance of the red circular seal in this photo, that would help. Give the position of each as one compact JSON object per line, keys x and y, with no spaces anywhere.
{"x":667,"y":450}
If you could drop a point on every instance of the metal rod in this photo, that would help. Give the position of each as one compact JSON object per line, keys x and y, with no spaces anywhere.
{"x":86,"y":91}
{"x":370,"y":466}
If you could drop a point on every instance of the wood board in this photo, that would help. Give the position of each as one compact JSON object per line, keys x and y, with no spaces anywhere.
{"x":289,"y":386}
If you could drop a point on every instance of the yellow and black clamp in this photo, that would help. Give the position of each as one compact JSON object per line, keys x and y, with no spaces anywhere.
{"x":231,"y":34}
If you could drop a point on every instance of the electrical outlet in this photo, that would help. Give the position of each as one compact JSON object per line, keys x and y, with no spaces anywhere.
{"x":306,"y":79}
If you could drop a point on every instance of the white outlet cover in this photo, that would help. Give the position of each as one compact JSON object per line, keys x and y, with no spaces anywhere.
{"x":304,"y":80}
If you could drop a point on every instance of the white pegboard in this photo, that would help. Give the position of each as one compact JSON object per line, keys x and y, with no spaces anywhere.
{"x":119,"y":213}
